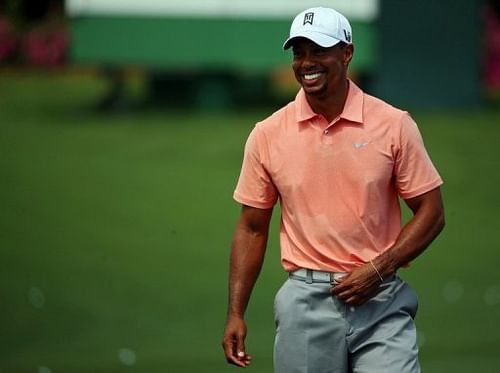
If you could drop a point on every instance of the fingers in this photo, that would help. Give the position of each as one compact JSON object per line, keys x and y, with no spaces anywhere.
{"x":244,"y":358}
{"x":348,"y":296}
{"x":241,"y":354}
{"x":355,"y":295}
{"x":235,"y":352}
{"x":234,"y":344}
{"x":356,"y":288}
{"x":233,"y":356}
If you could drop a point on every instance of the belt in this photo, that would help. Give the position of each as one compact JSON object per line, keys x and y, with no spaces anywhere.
{"x":310,"y":276}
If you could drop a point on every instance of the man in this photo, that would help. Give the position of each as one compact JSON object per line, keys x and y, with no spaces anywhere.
{"x":337,"y":160}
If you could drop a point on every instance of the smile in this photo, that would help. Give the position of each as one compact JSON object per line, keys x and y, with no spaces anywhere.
{"x":312,"y":76}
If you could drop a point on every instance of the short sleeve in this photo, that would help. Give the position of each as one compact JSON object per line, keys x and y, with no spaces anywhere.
{"x":255,"y":187}
{"x":414,"y":171}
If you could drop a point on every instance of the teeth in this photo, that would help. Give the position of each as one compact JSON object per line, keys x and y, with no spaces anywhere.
{"x":311,"y":76}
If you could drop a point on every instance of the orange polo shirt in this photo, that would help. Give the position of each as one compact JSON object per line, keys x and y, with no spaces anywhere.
{"x":338,"y":183}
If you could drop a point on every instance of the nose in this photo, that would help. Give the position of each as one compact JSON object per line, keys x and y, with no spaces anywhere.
{"x":308,"y":63}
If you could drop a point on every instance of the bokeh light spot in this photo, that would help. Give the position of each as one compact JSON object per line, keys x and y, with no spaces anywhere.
{"x":492,"y":295}
{"x":36,"y":297}
{"x":127,"y":356}
{"x":453,"y":291}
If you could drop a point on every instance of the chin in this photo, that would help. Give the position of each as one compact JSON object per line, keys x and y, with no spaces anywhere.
{"x":314,"y":91}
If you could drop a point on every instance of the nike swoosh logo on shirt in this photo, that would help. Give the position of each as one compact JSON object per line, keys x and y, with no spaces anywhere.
{"x":358,"y":145}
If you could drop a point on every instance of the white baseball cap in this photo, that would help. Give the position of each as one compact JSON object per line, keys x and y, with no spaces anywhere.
{"x":324,"y":26}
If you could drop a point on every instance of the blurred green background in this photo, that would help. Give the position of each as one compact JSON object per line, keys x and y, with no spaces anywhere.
{"x":115,"y":231}
{"x":115,"y":228}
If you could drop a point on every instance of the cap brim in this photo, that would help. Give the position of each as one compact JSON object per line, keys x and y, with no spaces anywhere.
{"x":322,"y":40}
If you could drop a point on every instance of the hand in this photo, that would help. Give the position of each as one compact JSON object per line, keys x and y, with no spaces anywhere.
{"x":233,"y":342}
{"x":358,"y":286}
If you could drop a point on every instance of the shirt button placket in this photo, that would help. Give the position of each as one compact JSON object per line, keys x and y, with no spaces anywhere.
{"x":326,"y":136}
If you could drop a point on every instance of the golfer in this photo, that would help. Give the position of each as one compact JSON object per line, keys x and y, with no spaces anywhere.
{"x":338,"y":160}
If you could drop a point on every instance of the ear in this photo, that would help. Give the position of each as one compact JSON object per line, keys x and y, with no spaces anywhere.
{"x":348,"y":53}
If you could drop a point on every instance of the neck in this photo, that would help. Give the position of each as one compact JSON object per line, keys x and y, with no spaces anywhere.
{"x":330,"y":105}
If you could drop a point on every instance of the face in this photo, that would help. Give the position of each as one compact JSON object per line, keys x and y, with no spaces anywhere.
{"x":319,"y":70}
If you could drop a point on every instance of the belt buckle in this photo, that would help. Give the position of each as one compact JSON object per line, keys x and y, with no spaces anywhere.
{"x":333,"y":280}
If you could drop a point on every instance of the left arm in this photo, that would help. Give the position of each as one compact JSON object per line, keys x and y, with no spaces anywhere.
{"x":426,"y":223}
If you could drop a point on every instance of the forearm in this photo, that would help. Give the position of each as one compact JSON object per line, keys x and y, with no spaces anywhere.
{"x":247,"y":256}
{"x":428,"y":220}
{"x":425,"y":225}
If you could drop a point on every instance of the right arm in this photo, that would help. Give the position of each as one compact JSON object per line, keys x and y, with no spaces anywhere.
{"x":247,"y":255}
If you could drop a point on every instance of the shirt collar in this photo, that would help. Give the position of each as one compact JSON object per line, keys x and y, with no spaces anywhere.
{"x":353,"y":108}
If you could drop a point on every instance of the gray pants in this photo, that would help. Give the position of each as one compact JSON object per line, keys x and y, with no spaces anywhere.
{"x":318,"y":333}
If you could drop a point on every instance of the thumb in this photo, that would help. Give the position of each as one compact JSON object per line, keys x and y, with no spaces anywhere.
{"x":240,"y":347}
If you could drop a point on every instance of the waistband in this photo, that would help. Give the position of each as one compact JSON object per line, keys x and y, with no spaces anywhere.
{"x":310,"y":276}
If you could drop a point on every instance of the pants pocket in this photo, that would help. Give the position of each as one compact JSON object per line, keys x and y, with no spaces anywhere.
{"x":278,"y":301}
{"x":411,"y":300}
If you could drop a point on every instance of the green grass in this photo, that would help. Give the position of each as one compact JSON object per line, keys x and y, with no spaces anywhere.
{"x":115,"y":230}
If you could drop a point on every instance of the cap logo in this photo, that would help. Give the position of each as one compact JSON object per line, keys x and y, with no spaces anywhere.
{"x":308,"y":18}
{"x":347,"y":35}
